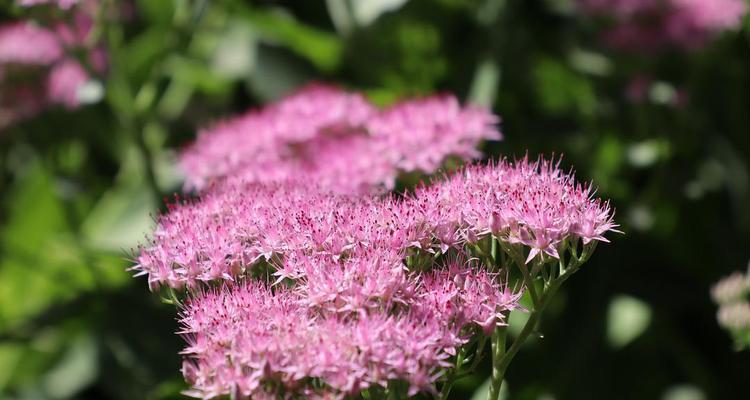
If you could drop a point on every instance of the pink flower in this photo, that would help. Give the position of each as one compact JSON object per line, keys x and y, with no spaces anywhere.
{"x":251,"y":341}
{"x":64,"y":4}
{"x":64,"y":83}
{"x":462,"y":293}
{"x":233,"y":227}
{"x":304,"y":282}
{"x":24,"y":43}
{"x":645,"y":25}
{"x":530,"y":203}
{"x":337,"y":139}
{"x":30,"y":54}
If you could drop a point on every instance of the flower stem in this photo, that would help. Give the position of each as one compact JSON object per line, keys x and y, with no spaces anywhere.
{"x":502,"y":358}
{"x":498,"y":353}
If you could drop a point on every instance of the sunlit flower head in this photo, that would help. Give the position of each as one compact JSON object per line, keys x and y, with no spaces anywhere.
{"x":338,"y":139}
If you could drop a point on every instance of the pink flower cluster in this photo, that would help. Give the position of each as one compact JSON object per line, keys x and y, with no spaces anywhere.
{"x":258,"y":342}
{"x":36,"y":70}
{"x":233,"y":227}
{"x":656,"y":24}
{"x":337,"y":139}
{"x":344,"y":306}
{"x":304,"y":282}
{"x":534,"y":204}
{"x":64,"y":4}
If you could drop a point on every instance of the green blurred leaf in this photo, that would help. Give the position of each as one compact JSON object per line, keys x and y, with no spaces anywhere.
{"x":144,"y":49}
{"x":322,"y":49}
{"x":275,"y":75}
{"x":196,"y":73}
{"x":684,"y":392}
{"x":120,"y":219}
{"x":35,"y":213}
{"x":42,"y":262}
{"x":158,"y":12}
{"x":560,"y":90}
{"x":10,"y":357}
{"x":236,"y":53}
{"x":483,"y":90}
{"x":627,"y":318}
{"x":367,"y":11}
{"x":77,"y":369}
{"x":481,"y":392}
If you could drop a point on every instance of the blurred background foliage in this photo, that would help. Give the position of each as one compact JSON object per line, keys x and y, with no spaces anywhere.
{"x":78,"y":188}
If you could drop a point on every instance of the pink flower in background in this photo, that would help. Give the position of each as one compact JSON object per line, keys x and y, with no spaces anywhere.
{"x":652,"y":25}
{"x":25,"y":43}
{"x":64,"y":82}
{"x":64,"y":4}
{"x":338,"y":139}
{"x":36,"y":71}
{"x":693,"y":20}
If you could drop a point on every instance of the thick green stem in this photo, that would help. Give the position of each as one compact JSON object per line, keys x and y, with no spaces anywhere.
{"x":498,"y":353}
{"x":529,"y":282}
{"x":502,"y":358}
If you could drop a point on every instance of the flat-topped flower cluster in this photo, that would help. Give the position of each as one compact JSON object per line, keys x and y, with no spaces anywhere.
{"x":657,"y":24}
{"x":310,"y":282}
{"x":234,"y":227}
{"x":339,"y":140}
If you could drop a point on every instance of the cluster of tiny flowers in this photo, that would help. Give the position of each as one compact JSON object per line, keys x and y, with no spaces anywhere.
{"x":731,"y":294}
{"x":338,"y":139}
{"x":656,"y":24}
{"x":233,"y":227}
{"x":303,"y":280}
{"x":732,"y":288}
{"x":37,"y":70}
{"x":255,"y":341}
{"x":64,"y":4}
{"x":341,"y":304}
{"x":530,"y":203}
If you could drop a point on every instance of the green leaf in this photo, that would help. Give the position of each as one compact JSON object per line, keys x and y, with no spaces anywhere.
{"x":76,"y":370}
{"x":120,"y":219}
{"x":684,"y":392}
{"x":10,"y":357}
{"x":561,"y":90}
{"x":367,"y":11}
{"x":481,"y":392}
{"x":322,"y":49}
{"x":275,"y":76}
{"x":196,"y":73}
{"x":235,"y":56}
{"x":143,"y":50}
{"x":627,"y":318}
{"x":483,"y":90}
{"x":35,"y":213}
{"x":158,"y":12}
{"x":42,"y":262}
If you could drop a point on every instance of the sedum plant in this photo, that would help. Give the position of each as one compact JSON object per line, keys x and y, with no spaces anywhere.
{"x":298,"y":275}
